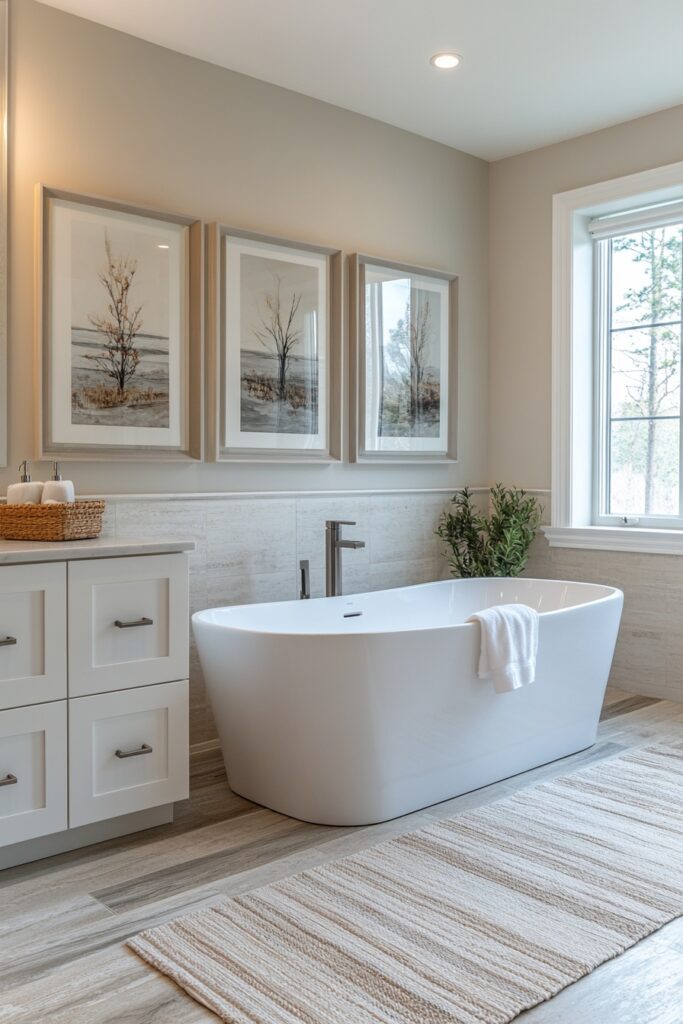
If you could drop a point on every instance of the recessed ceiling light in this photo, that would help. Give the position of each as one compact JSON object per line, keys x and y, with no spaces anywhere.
{"x":445,"y":60}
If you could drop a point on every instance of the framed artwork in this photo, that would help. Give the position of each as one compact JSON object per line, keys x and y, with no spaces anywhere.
{"x":274,"y":359}
{"x":403,"y":362}
{"x":120,"y":321}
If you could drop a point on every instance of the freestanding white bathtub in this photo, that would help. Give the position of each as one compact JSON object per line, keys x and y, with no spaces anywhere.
{"x":353,"y":710}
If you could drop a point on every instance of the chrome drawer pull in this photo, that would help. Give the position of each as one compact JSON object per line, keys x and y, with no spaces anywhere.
{"x":9,"y":641}
{"x":144,"y":749}
{"x":135,"y":622}
{"x":9,"y":780}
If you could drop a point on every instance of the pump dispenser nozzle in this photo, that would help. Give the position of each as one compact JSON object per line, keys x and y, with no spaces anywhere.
{"x":24,"y":492}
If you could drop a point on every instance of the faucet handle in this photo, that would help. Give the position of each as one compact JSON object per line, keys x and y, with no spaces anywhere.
{"x":331,"y":523}
{"x":305,"y":578}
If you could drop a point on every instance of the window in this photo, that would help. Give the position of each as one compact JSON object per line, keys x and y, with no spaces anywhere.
{"x":617,"y":455}
{"x":638,"y":308}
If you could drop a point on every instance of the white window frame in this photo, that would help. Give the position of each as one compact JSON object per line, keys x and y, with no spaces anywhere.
{"x":574,"y":364}
{"x":602,"y":232}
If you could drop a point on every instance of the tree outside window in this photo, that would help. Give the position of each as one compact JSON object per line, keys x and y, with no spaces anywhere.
{"x":644,"y":338}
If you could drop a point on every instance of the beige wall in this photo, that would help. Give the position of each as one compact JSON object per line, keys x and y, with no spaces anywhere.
{"x":521,"y":190}
{"x":94,"y":110}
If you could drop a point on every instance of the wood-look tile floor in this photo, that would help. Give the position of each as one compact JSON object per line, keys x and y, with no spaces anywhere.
{"x":64,"y":920}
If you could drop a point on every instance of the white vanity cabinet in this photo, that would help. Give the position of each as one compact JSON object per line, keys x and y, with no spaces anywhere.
{"x":32,"y":634}
{"x":33,"y":772}
{"x":127,"y":751}
{"x":94,"y":664}
{"x":128,"y":623}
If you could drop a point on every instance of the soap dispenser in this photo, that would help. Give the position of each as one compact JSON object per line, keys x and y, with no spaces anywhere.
{"x":56,"y":489}
{"x":25,"y":492}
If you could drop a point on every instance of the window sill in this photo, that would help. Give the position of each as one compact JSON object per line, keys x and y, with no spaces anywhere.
{"x":616,"y":538}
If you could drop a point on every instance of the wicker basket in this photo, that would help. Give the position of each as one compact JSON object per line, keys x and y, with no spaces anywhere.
{"x":78,"y":520}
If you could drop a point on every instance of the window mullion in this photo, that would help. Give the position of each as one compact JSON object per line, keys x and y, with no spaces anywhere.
{"x":645,"y":326}
{"x":601,"y":428}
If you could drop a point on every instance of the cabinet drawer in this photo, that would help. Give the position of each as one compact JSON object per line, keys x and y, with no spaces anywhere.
{"x":128,"y":622}
{"x":32,"y":634}
{"x":32,"y":772}
{"x":127,"y":751}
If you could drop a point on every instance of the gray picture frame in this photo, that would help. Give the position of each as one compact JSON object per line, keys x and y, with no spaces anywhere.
{"x":190,"y":446}
{"x":220,"y":372}
{"x":358,"y":451}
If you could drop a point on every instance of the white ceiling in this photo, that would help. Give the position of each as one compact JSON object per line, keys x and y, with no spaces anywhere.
{"x":534,"y":71}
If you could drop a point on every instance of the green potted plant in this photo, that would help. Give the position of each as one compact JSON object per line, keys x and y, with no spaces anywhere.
{"x":490,"y":544}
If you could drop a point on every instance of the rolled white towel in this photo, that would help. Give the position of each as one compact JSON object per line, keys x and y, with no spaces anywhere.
{"x":58,"y":492}
{"x":30,"y":493}
{"x":509,"y":645}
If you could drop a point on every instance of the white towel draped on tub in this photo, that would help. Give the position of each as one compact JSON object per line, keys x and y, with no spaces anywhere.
{"x":509,"y":644}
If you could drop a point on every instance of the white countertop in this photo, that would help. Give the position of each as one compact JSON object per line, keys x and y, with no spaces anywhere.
{"x":14,"y":552}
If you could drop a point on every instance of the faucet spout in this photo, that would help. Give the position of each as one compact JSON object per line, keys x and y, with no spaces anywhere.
{"x":333,"y":548}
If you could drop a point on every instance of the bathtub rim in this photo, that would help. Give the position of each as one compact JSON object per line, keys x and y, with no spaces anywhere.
{"x":613,"y":593}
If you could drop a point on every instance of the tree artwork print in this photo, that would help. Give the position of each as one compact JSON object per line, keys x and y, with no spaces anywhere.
{"x":279,"y":362}
{"x":119,"y":362}
{"x":406,"y":338}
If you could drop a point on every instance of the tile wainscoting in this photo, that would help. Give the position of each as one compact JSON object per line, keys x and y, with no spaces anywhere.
{"x":649,"y":655}
{"x":248,"y":548}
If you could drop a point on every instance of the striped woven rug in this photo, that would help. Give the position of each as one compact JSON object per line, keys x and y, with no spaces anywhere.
{"x":467,"y":921}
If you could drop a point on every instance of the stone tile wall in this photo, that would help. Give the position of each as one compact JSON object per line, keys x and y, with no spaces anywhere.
{"x":649,"y":654}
